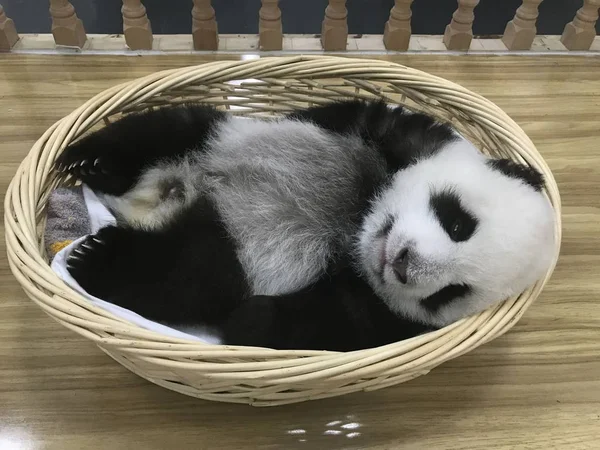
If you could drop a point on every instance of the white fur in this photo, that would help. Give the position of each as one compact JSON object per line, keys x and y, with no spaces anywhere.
{"x":512,"y":247}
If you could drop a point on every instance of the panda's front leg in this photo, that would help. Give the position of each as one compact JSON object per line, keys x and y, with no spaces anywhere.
{"x":315,"y":318}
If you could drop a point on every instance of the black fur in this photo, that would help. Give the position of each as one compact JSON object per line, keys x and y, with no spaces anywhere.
{"x":456,"y":221}
{"x":188,"y":273}
{"x":340,"y":313}
{"x":526,"y":174}
{"x":445,"y":296}
{"x":111,"y":160}
{"x":402,"y":137}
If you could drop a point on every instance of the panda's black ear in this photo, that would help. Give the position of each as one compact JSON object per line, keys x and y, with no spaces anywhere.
{"x":511,"y":169}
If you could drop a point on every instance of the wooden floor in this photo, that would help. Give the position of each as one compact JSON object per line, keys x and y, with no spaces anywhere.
{"x":537,"y":387}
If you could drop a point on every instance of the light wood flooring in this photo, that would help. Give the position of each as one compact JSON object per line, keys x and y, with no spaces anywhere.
{"x":537,"y":387}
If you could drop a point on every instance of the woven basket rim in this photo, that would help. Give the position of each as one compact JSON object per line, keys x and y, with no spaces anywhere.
{"x":126,"y":342}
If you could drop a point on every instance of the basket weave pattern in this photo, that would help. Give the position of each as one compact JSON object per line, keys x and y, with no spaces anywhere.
{"x":265,"y":86}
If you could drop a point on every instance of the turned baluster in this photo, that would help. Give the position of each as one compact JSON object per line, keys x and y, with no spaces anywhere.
{"x":396,"y":35}
{"x":519,"y":32}
{"x":334,"y":32}
{"x":580,"y":33}
{"x":67,"y":28}
{"x":204,"y":26}
{"x":8,"y":32}
{"x":270,"y":30}
{"x":459,"y":32}
{"x":136,"y":26}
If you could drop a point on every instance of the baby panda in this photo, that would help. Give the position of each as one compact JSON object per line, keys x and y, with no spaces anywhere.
{"x":337,"y":227}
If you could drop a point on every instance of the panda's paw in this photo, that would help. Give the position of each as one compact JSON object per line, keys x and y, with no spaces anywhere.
{"x":81,"y":168}
{"x":101,"y":172}
{"x":99,"y":262}
{"x":85,"y":160}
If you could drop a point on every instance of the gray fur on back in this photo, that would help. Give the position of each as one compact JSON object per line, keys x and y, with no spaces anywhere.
{"x":288,"y":192}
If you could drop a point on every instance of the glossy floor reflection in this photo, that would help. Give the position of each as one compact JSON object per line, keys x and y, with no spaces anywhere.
{"x":537,"y":387}
{"x":345,"y":428}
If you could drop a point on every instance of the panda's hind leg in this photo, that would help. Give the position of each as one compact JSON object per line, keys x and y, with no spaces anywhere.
{"x":184,"y":273}
{"x":112,"y":159}
{"x":160,"y":193}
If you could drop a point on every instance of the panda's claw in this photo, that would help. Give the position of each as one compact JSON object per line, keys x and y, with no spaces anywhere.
{"x":97,"y":262}
{"x":86,"y":245}
{"x":73,"y":257}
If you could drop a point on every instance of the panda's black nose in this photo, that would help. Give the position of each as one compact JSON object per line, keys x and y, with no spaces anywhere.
{"x":400,"y":265}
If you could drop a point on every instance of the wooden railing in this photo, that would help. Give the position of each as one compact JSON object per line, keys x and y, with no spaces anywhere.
{"x":520,"y":32}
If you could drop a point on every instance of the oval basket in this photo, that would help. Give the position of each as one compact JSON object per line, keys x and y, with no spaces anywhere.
{"x":265,"y":86}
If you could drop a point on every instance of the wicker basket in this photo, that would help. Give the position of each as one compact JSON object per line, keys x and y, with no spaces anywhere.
{"x":261,"y":377}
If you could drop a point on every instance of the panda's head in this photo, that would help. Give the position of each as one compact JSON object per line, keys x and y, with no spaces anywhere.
{"x":455,"y":233}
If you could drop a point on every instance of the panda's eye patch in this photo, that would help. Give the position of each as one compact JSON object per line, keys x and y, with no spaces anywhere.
{"x":456,"y":221}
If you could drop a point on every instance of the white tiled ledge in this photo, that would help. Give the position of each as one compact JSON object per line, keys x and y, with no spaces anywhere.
{"x":248,"y":43}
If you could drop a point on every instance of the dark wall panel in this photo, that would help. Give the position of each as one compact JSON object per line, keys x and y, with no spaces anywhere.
{"x":299,"y":16}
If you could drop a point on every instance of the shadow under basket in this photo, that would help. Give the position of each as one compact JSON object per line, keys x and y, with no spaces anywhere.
{"x":265,"y":86}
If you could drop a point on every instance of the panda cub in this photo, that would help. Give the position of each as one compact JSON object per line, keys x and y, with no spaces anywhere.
{"x":337,"y":227}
